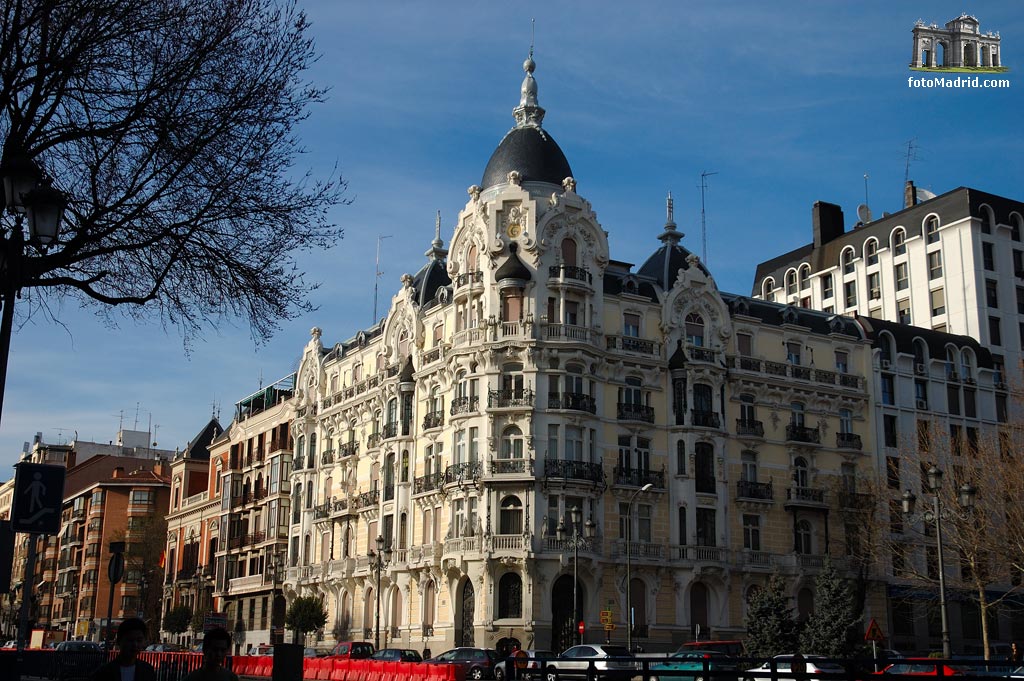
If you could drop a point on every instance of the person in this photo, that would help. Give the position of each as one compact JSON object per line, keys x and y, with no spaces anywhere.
{"x":130,"y":640}
{"x":798,"y":666}
{"x":216,"y":644}
{"x":1015,"y":656}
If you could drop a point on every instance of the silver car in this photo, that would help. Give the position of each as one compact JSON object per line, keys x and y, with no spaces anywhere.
{"x":610,"y":662}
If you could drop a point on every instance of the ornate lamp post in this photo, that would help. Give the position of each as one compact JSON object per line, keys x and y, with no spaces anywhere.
{"x":379,"y":560}
{"x":575,"y":541}
{"x":28,"y":197}
{"x":277,"y":571}
{"x":629,"y":563}
{"x":936,"y":514}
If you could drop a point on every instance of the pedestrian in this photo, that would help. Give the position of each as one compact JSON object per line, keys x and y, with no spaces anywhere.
{"x":798,"y":666}
{"x":130,"y":640}
{"x":216,"y":644}
{"x":1015,"y":656}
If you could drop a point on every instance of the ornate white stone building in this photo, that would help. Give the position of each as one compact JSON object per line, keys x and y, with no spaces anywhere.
{"x":523,"y":374}
{"x":960,"y":44}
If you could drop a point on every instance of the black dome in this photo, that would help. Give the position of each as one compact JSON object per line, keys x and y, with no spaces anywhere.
{"x":665,"y":263}
{"x":513,"y":267}
{"x":531,"y":151}
{"x":431,"y":277}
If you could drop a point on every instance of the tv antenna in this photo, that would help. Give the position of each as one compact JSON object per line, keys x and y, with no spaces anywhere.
{"x":911,"y":155}
{"x":703,"y":215}
{"x":376,"y":278}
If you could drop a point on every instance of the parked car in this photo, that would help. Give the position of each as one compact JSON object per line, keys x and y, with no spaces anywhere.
{"x":478,"y":662}
{"x":733,"y":648}
{"x":10,"y":644}
{"x":814,"y":664}
{"x":262,"y":649}
{"x":78,"y":659}
{"x":693,"y":663}
{"x":615,"y":662}
{"x":165,"y":648}
{"x":353,"y":650}
{"x":922,"y":666}
{"x":397,"y":655}
{"x":533,"y":663}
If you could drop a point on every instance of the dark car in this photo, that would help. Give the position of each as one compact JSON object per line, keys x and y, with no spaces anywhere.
{"x":78,"y":659}
{"x":478,"y":662}
{"x":532,"y":660}
{"x":353,"y":650}
{"x":397,"y":655}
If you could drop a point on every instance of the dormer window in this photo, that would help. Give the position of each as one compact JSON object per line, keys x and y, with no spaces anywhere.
{"x":847,"y":259}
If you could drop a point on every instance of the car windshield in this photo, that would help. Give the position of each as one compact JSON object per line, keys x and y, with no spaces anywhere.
{"x":616,"y":651}
{"x":828,"y":666}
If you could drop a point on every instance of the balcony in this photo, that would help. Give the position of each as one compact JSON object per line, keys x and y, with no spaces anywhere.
{"x":427,"y":483}
{"x":509,"y":542}
{"x":698,"y":354}
{"x":805,"y":496}
{"x":322,"y":512}
{"x":757,"y":559}
{"x":701,"y":418}
{"x":389,"y":492}
{"x":348,"y":449}
{"x":635,"y":412}
{"x":367,"y":499}
{"x":464,"y":405}
{"x":707,"y":554}
{"x":373,"y":440}
{"x":467,"y":278}
{"x":463,"y":472}
{"x":574,"y":470}
{"x":587,"y":545}
{"x":461,"y":546}
{"x":749,"y":428}
{"x":327,"y":458}
{"x":638,"y":478}
{"x":434,"y":419}
{"x":568,"y":332}
{"x":795,"y":433}
{"x":390,"y":430}
{"x":640,"y":346}
{"x":571,"y":272}
{"x":242,"y":584}
{"x":748,"y":489}
{"x":431,"y":356}
{"x":572,"y":402}
{"x":639,"y":549}
{"x":511,"y":466}
{"x":510,"y":399}
{"x":848,"y":441}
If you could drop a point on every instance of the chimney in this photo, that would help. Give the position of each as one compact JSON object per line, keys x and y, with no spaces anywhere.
{"x":909,"y":194}
{"x":827,"y":220}
{"x":119,"y":472}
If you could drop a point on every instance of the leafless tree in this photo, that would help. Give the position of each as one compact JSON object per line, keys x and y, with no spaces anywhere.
{"x":170,"y":127}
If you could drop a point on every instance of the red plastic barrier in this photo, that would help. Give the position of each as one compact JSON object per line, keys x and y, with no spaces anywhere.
{"x":374,"y":670}
{"x":456,"y":672}
{"x":240,"y":665}
{"x":309,"y":668}
{"x":324,"y":668}
{"x":339,"y":669}
{"x":406,"y":671}
{"x":437,"y":672}
{"x":265,"y":666}
{"x":358,"y":670}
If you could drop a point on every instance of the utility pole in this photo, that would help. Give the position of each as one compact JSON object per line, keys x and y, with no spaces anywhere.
{"x":377,"y":275}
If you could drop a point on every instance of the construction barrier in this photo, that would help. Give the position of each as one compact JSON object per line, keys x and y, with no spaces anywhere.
{"x":344,"y":669}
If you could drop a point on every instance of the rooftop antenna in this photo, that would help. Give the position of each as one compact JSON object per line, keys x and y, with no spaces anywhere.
{"x":376,"y":279}
{"x":533,"y":34}
{"x":911,"y":155}
{"x":135,"y":426}
{"x":703,"y":215}
{"x":261,"y":379}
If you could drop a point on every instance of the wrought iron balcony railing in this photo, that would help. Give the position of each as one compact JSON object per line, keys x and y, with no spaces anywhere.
{"x":574,"y":470}
{"x":750,"y":489}
{"x":572,"y":401}
{"x":635,"y":412}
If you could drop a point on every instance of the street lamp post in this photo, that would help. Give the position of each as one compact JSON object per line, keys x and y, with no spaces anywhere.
{"x":379,"y":560}
{"x":575,"y":541}
{"x":629,"y":563}
{"x":276,"y":576}
{"x":936,"y":514}
{"x":28,"y":196}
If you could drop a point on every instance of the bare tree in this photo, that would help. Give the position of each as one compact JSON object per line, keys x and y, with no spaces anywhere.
{"x":170,"y":127}
{"x":983,"y":553}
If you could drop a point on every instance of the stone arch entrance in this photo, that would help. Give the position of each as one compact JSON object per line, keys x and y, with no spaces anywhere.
{"x":563,"y":628}
{"x":464,"y":615}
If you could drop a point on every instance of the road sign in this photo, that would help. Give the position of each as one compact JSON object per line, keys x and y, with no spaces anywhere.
{"x":609,"y":627}
{"x":606,"y":617}
{"x":212,"y":620}
{"x":522,"y":657}
{"x":874,"y":632}
{"x":38,"y":498}
{"x":115,"y":569}
{"x":579,"y":627}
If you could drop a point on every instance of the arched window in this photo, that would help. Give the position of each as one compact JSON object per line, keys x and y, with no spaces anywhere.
{"x":307,"y":546}
{"x":790,"y":282}
{"x":847,"y":261}
{"x":396,"y":608}
{"x":346,"y":611}
{"x":804,"y":604}
{"x":703,"y":402}
{"x":681,"y":457}
{"x":699,"y":607}
{"x":801,"y":476}
{"x":429,"y":596}
{"x":966,"y":364}
{"x":309,"y":496}
{"x":695,"y":329}
{"x":510,"y":520}
{"x":931,"y":229}
{"x":510,"y":596}
{"x":392,"y":414}
{"x":298,"y":496}
{"x":389,"y":476}
{"x":511,"y":443}
{"x":951,"y":362}
{"x":920,"y":354}
{"x":569,"y":253}
{"x":381,"y":362}
{"x":805,"y":277}
{"x":803,"y":537}
{"x":403,"y":531}
{"x":405,"y":466}
{"x":988,"y":219}
{"x":704,"y":468}
{"x":768,"y":289}
{"x":471,"y":260}
{"x":1016,"y":226}
{"x":428,"y":525}
{"x":898,"y":241}
{"x":638,"y":601}
{"x":300,"y":447}
{"x":871,"y":251}
{"x":368,"y":609}
{"x":357,"y":373}
{"x":886,"y":347}
{"x":311,"y":460}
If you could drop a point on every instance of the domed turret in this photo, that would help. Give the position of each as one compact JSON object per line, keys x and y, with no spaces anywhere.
{"x":527,"y":148}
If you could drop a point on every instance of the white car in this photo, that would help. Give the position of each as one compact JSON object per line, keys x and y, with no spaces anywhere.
{"x":814,"y":664}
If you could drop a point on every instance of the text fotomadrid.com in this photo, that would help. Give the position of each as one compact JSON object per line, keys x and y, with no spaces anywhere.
{"x":958,"y":82}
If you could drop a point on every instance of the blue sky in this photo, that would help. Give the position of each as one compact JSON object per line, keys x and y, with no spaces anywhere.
{"x":789,"y":102}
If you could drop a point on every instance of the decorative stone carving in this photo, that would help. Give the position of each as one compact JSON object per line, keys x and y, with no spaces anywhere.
{"x":474,"y":192}
{"x":569,"y":185}
{"x":515,"y":177}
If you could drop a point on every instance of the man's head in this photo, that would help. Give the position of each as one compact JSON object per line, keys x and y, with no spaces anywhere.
{"x":131,"y":638}
{"x":216,"y":645}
